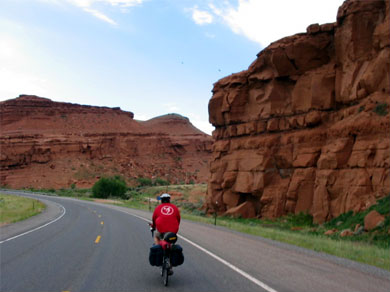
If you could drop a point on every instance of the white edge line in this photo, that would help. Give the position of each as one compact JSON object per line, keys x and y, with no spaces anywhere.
{"x":233,"y":267}
{"x":39,"y":227}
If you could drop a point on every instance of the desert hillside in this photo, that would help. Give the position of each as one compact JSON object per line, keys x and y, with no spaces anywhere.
{"x":46,"y":144}
{"x":306,"y":127}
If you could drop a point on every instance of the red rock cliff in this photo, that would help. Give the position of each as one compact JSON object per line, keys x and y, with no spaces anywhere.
{"x":46,"y":144}
{"x":306,"y":127}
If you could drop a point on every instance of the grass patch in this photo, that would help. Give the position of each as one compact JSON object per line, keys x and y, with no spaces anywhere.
{"x":72,"y":192}
{"x":16,"y":208}
{"x":280,"y":230}
{"x":379,"y":236}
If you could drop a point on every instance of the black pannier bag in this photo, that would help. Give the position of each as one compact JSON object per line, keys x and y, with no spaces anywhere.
{"x":177,"y":257}
{"x":156,"y":255}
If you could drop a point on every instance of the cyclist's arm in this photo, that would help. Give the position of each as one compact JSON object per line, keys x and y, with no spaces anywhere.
{"x":178,"y":215}
{"x":154,"y":219}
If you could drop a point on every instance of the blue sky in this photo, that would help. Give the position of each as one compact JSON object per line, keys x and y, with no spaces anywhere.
{"x":151,"y":57}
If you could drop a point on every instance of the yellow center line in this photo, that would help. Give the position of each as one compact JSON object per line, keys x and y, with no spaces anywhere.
{"x":102,"y":223}
{"x":97,"y":239}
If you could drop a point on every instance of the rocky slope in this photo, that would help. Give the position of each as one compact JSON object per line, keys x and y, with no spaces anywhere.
{"x":46,"y":144}
{"x":306,"y":127}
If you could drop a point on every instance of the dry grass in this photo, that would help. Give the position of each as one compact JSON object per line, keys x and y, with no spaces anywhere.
{"x":16,"y":208}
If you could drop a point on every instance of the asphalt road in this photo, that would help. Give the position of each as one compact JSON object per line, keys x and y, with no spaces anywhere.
{"x":85,"y":246}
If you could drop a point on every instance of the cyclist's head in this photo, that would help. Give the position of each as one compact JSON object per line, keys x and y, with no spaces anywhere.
{"x":165,"y":198}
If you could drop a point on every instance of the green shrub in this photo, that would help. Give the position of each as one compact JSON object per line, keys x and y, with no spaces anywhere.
{"x":380,"y":109}
{"x":301,"y":219}
{"x":134,"y":194}
{"x":144,"y":181}
{"x":110,"y":187}
{"x":160,"y":182}
{"x":382,"y":206}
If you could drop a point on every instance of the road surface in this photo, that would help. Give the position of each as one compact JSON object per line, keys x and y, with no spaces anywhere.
{"x":85,"y":246}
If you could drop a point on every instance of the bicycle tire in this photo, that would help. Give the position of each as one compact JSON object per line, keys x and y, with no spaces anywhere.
{"x":165,"y":274}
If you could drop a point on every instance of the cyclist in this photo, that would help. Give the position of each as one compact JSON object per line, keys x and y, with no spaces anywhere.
{"x":166,"y":218}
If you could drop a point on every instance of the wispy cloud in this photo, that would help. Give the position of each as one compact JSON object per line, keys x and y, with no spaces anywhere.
{"x":100,"y":15}
{"x":201,"y":16}
{"x":123,"y":3}
{"x":120,"y":3}
{"x":89,"y":6}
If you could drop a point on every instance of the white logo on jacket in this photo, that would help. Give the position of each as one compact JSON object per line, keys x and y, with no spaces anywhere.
{"x":167,"y":210}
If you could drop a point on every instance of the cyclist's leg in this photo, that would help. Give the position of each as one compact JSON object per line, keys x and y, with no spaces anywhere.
{"x":157,"y":237}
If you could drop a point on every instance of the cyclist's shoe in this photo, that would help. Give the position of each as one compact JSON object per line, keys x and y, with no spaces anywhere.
{"x":170,"y":272}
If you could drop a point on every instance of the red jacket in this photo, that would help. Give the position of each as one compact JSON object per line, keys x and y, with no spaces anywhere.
{"x":166,"y":218}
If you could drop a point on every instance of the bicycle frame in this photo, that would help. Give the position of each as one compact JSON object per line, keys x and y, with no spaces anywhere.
{"x":166,"y":264}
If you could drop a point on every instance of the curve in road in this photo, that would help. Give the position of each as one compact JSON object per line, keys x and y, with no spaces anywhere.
{"x":93,"y":247}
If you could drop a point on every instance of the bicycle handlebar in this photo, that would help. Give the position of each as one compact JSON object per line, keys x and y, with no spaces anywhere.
{"x":151,"y":228}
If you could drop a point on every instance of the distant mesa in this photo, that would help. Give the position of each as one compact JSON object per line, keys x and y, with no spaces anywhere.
{"x":173,"y":124}
{"x":47,"y":144}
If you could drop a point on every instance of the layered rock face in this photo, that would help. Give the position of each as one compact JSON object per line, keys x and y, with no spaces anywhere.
{"x":306,"y":127}
{"x":46,"y":144}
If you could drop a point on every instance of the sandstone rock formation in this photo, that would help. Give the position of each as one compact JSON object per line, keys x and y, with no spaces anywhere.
{"x":306,"y":127}
{"x":46,"y":144}
{"x":372,"y":220}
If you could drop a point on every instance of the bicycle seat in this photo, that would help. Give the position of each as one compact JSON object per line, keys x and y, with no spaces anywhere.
{"x":170,"y":237}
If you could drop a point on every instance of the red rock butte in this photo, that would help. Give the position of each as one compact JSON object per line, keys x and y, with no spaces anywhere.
{"x":46,"y":144}
{"x":306,"y":127}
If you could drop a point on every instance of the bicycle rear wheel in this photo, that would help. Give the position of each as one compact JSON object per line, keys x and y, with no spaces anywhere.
{"x":164,"y":272}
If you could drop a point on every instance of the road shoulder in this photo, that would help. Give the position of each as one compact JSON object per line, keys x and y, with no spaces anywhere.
{"x":51,"y":212}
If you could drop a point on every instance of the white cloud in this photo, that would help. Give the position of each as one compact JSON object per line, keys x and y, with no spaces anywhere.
{"x":89,"y":6}
{"x":121,"y":3}
{"x":201,"y":17}
{"x":265,"y":21}
{"x":100,"y":15}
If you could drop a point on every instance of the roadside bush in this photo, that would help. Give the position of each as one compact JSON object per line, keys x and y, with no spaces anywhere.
{"x":110,"y":187}
{"x":160,"y":182}
{"x":144,"y":181}
{"x":301,"y":219}
{"x":134,"y":194}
